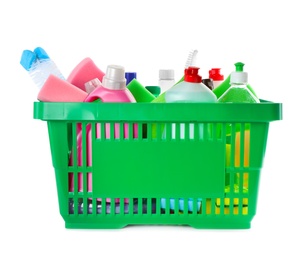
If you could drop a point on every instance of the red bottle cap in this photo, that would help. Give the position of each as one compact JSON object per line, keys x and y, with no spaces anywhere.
{"x":191,"y":75}
{"x":214,"y":74}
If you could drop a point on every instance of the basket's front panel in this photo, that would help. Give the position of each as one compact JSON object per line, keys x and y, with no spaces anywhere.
{"x":151,"y":173}
{"x":143,"y":166}
{"x":111,"y":174}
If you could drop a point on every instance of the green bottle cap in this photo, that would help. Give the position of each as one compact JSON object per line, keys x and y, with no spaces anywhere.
{"x":155,"y":90}
{"x":239,"y":66}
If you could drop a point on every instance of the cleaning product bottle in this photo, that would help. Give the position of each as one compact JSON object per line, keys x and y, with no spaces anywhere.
{"x":39,"y":66}
{"x":155,"y":90}
{"x":219,"y":90}
{"x":238,"y":91}
{"x":209,"y":83}
{"x":141,"y":95}
{"x":113,"y":89}
{"x":139,"y":92}
{"x":191,"y":89}
{"x":166,"y":79}
{"x":216,"y":76}
{"x":191,"y":61}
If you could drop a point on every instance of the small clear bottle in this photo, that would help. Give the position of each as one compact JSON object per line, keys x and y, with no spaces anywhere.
{"x":39,"y":66}
{"x":166,"y":79}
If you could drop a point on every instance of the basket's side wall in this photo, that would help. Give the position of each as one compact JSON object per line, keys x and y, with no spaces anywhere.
{"x":259,"y":133}
{"x":59,"y":144}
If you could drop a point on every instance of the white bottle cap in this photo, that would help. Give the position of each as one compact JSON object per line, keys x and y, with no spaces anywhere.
{"x":114,"y":77}
{"x":238,"y":77}
{"x":166,"y":74}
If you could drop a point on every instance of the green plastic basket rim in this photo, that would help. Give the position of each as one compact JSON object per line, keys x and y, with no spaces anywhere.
{"x":265,"y":111}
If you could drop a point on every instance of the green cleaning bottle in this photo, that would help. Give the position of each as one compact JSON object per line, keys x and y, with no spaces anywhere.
{"x":238,"y":90}
{"x":225,"y":85}
{"x":139,"y":92}
{"x":238,"y":141}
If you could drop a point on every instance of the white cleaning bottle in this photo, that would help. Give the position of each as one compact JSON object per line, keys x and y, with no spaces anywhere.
{"x":166,"y":79}
{"x":191,"y":89}
{"x":191,"y":61}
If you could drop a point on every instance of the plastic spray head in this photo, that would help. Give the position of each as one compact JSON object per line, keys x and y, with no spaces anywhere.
{"x":191,"y":60}
{"x":238,"y":76}
{"x":239,"y":66}
{"x":114,"y":77}
{"x":191,"y":75}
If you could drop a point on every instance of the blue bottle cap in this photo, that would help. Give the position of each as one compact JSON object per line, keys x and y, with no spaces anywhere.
{"x":41,"y":53}
{"x":130,"y":76}
{"x":28,"y":58}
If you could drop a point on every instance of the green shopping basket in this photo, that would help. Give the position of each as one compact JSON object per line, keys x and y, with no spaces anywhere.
{"x":119,"y":164}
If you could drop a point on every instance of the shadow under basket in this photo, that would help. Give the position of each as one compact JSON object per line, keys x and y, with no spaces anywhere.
{"x":196,"y":164}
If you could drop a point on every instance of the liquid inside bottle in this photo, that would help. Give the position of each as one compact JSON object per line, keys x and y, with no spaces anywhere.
{"x":238,"y":91}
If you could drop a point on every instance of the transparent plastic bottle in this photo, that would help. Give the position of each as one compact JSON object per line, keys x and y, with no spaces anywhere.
{"x":238,"y":91}
{"x":166,"y":79}
{"x":39,"y":66}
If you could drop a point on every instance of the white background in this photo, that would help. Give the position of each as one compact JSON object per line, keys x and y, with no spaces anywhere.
{"x":145,"y":36}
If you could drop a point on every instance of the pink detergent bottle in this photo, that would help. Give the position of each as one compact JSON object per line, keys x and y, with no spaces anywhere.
{"x":112,"y":89}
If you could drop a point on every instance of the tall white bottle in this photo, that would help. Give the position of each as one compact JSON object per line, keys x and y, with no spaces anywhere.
{"x":166,"y":79}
